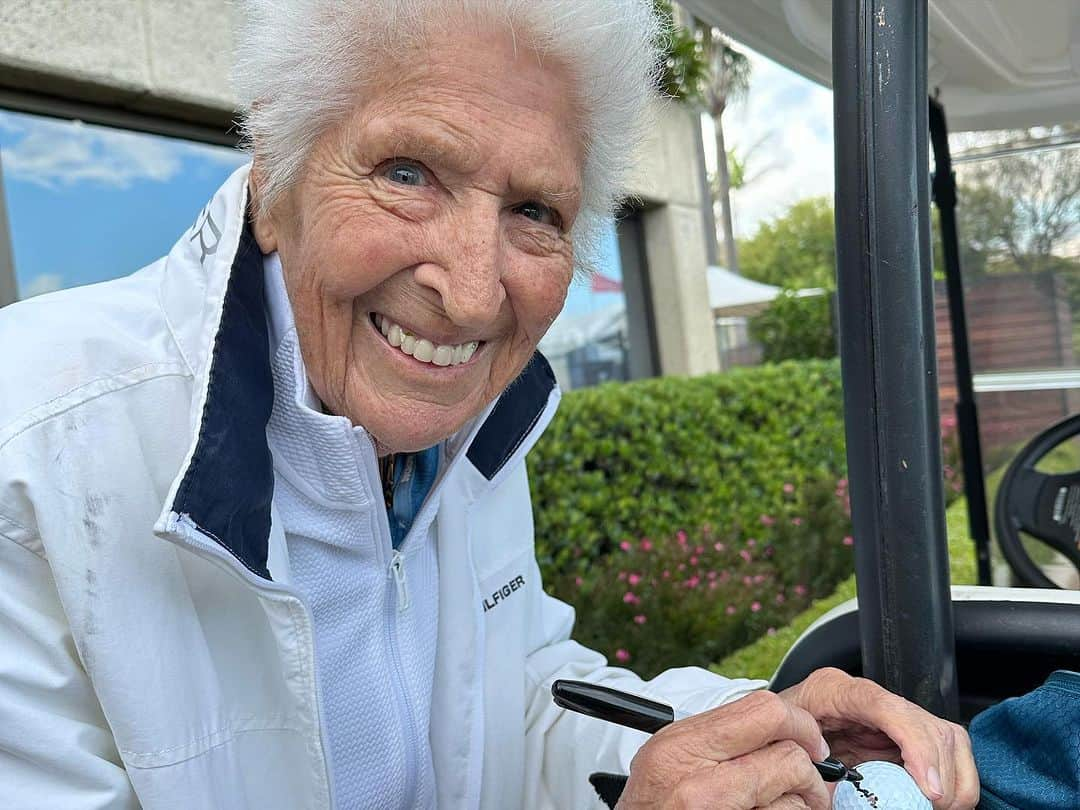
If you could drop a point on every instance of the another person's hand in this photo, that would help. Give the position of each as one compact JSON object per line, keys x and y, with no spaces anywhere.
{"x":862,"y":722}
{"x":756,"y":752}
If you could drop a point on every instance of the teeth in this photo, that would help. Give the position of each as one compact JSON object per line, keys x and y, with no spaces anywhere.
{"x":424,"y":350}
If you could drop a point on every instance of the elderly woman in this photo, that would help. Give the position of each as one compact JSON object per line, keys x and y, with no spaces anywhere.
{"x":266,"y":533}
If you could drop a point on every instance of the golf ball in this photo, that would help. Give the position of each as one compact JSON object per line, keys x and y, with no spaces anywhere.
{"x":884,"y":786}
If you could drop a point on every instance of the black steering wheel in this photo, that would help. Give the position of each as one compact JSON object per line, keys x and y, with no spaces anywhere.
{"x":1045,"y":506}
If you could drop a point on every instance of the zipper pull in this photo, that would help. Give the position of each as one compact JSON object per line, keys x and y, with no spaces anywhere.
{"x":397,"y":571}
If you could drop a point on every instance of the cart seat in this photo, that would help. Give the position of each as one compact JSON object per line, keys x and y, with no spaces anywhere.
{"x":1008,"y":640}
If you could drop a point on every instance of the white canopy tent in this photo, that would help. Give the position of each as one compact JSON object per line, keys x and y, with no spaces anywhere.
{"x":732,"y":295}
{"x":998,"y":64}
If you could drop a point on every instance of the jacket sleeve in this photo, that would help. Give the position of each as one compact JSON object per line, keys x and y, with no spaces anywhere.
{"x":563,"y":747}
{"x":56,"y":749}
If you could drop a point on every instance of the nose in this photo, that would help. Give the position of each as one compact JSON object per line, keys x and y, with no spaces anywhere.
{"x":469,"y":278}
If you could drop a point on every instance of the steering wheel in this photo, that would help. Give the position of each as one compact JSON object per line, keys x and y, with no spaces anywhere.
{"x":1045,"y":506}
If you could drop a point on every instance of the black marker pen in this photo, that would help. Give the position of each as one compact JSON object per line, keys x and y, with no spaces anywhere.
{"x":646,"y":715}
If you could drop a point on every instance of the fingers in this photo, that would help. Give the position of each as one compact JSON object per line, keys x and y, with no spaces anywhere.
{"x":788,"y":803}
{"x":746,"y":725}
{"x":935,"y":752}
{"x":779,"y":775}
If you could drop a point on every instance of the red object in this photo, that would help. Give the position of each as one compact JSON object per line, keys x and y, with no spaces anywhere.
{"x":602,"y":284}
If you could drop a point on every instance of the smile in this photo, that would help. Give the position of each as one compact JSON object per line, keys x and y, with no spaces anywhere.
{"x":422,"y":349}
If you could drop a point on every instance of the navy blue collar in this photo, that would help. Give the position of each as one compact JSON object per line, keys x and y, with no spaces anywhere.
{"x":229,"y":484}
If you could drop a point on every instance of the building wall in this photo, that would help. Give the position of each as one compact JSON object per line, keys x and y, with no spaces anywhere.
{"x":168,"y":60}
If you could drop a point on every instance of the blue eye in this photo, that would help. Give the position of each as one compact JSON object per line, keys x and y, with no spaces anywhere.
{"x":407,"y":174}
{"x":538,"y":212}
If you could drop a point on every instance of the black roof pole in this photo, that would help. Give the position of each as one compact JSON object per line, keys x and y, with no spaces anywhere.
{"x":886,"y":291}
{"x":967,"y":418}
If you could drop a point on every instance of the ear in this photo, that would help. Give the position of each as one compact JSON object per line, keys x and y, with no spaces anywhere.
{"x":262,"y":222}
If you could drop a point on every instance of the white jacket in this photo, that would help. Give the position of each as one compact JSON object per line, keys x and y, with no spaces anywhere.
{"x":152,"y":651}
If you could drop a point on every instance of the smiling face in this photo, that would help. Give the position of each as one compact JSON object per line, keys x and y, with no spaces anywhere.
{"x":426,"y":245}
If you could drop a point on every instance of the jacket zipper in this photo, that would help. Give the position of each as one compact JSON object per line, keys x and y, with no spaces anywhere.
{"x":396,"y":572}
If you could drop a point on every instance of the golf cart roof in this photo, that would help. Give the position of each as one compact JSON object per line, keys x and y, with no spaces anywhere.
{"x":998,"y":64}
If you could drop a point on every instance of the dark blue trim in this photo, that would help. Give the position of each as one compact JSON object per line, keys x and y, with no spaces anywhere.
{"x":513,"y":417}
{"x":229,"y":484}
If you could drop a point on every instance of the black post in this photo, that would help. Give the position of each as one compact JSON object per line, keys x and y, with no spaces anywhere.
{"x":967,"y":418}
{"x":886,"y":290}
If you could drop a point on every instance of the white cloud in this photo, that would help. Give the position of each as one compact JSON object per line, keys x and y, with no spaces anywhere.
{"x":55,"y":154}
{"x":41,"y":284}
{"x":791,"y":118}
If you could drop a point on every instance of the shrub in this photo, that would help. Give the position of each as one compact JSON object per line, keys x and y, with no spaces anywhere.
{"x":795,"y":328}
{"x":690,"y":598}
{"x":760,"y":659}
{"x":647,"y":458}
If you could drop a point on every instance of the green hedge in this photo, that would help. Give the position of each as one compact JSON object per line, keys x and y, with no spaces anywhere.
{"x":649,"y":458}
{"x":760,"y":659}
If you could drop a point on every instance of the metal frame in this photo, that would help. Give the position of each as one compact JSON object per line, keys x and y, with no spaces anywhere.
{"x":967,"y":418}
{"x":885,"y":287}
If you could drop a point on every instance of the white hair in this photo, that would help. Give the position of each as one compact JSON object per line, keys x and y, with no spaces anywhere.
{"x":302,"y":65}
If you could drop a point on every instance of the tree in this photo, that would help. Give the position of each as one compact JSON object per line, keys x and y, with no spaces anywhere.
{"x":728,"y":81}
{"x":796,"y":249}
{"x":1019,"y":209}
{"x":684,"y":70}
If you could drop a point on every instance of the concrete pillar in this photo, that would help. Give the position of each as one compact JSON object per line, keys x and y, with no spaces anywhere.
{"x":668,"y":182}
{"x":675,"y":251}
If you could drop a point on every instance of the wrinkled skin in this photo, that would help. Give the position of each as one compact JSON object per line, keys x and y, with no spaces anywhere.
{"x":443,"y":202}
{"x":758,"y":752}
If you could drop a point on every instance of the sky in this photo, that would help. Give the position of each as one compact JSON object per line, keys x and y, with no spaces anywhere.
{"x":88,"y":203}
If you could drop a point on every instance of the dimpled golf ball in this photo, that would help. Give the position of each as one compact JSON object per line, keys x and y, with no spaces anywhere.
{"x":884,"y":786}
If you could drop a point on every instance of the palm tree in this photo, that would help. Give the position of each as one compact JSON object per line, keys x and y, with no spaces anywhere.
{"x":728,"y":81}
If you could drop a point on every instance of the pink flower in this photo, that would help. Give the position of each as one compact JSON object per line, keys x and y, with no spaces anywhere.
{"x":682,"y":566}
{"x":625,"y":545}
{"x":759,"y":578}
{"x":646,"y":544}
{"x":842,"y":483}
{"x":767,"y":520}
{"x":639,"y":619}
{"x":730,"y":610}
{"x":755,"y":607}
{"x":712,"y":575}
{"x":680,"y":535}
{"x":796,"y":521}
{"x":849,"y":540}
{"x":633,"y":579}
{"x":780,"y":599}
{"x":622,"y":576}
{"x":751,"y":542}
{"x":666,"y":575}
{"x":712,"y":585}
{"x":693,"y":560}
{"x":746,"y":555}
{"x":719,"y":546}
{"x":622,"y":655}
{"x":693,"y":582}
{"x":631,"y":598}
{"x":771,"y":631}
{"x":789,"y":488}
{"x":747,"y":581}
{"x":577,"y":581}
{"x":699,"y":550}
{"x":800,"y":590}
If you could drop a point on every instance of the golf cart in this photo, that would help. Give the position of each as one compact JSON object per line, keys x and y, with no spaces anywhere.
{"x":993,"y":65}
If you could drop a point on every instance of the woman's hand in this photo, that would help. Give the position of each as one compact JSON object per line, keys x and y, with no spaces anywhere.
{"x":863,"y":722}
{"x":756,"y":752}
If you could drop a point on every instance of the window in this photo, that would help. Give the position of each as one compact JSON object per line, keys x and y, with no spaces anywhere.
{"x":89,"y":203}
